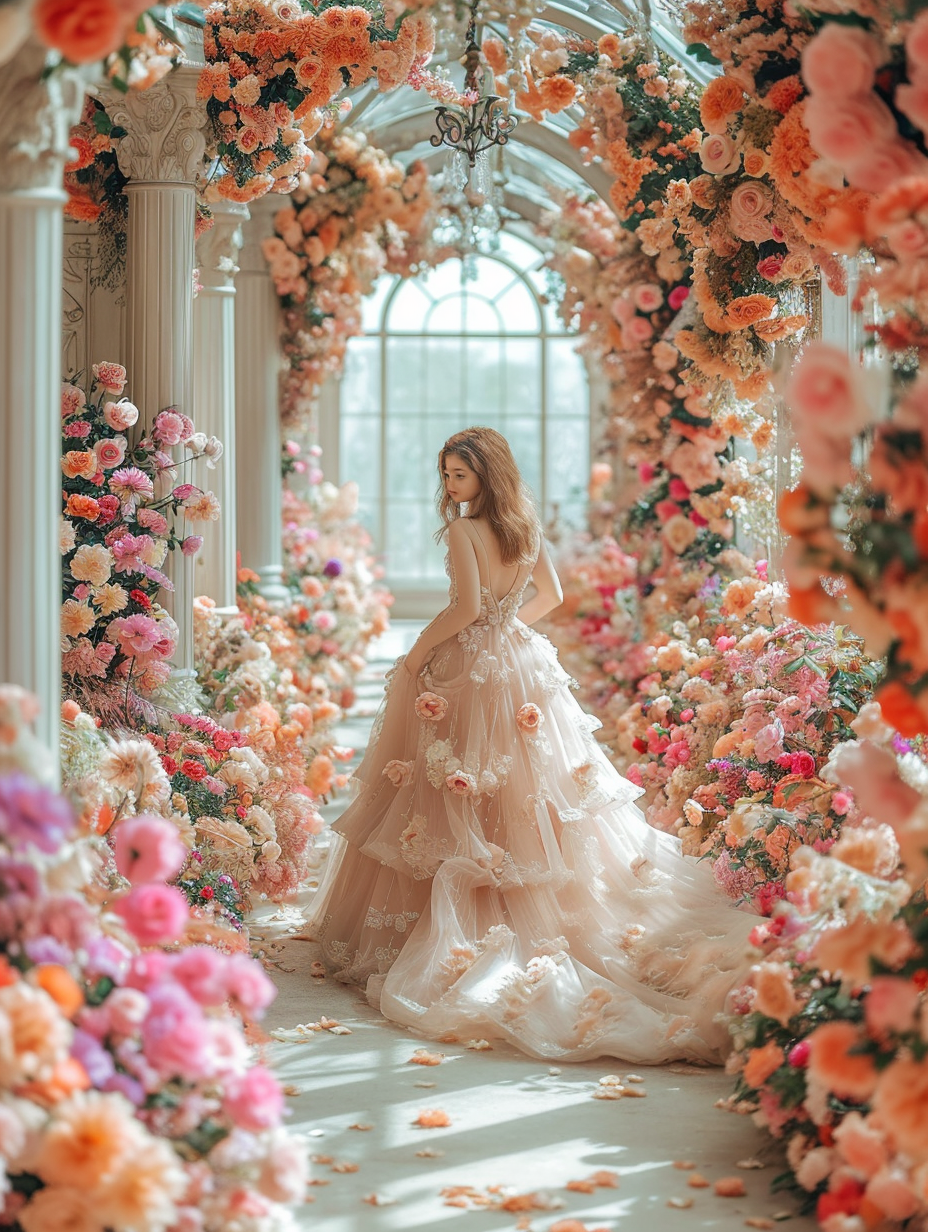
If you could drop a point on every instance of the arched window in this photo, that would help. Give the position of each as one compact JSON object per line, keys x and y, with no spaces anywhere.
{"x":468,"y":343}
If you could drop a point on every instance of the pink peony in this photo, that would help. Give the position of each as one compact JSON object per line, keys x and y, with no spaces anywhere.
{"x":255,"y":1101}
{"x":529,"y":718}
{"x":154,"y":914}
{"x":136,"y":635}
{"x":121,"y":415}
{"x":168,"y":428}
{"x":876,"y":169}
{"x":677,"y":754}
{"x":111,"y":377}
{"x":248,"y":987}
{"x":175,"y":1038}
{"x":431,"y":707}
{"x":201,"y":970}
{"x":152,"y":520}
{"x":841,"y":61}
{"x":148,"y":849}
{"x":822,"y":393}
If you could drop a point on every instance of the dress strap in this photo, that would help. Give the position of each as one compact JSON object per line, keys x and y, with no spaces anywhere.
{"x":486,"y":556}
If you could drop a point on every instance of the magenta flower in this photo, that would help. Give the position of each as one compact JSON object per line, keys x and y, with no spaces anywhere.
{"x":154,"y":914}
{"x":136,"y":635}
{"x":32,"y":815}
{"x":191,"y":545}
{"x":148,"y":849}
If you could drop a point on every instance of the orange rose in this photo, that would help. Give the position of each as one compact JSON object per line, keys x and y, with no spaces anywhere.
{"x":720,"y":99}
{"x":812,"y":606}
{"x":747,"y":309}
{"x":800,"y":511}
{"x":86,"y":507}
{"x":901,"y":1102}
{"x":755,"y":162}
{"x":780,"y":327}
{"x":832,"y":1061}
{"x":557,"y":92}
{"x":79,"y":462}
{"x":495,"y":52}
{"x":60,"y":985}
{"x":82,"y":30}
{"x":761,"y":1063}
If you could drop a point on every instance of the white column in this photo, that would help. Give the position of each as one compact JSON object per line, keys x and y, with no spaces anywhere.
{"x":258,"y":362}
{"x":162,"y":154}
{"x":37,"y":117}
{"x":214,"y":393}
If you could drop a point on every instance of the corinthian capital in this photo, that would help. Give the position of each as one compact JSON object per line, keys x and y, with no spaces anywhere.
{"x":165,"y":125}
{"x":37,"y":118}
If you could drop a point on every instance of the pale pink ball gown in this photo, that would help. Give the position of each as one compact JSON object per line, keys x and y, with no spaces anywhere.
{"x":493,"y":878}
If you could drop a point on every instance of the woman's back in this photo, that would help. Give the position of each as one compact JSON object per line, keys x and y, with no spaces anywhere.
{"x":500,"y":579}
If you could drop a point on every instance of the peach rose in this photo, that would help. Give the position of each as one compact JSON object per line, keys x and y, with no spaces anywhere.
{"x":834,"y":1063}
{"x":647,"y":297}
{"x":773,"y":988}
{"x":460,"y":784}
{"x":823,"y":394}
{"x":111,"y":377}
{"x":861,"y":1144}
{"x":755,"y":162}
{"x":844,"y":133}
{"x":750,"y":205}
{"x":82,"y":30}
{"x":892,"y":1191}
{"x":719,"y":155}
{"x":110,"y":452}
{"x":746,"y":309}
{"x":398,"y":772}
{"x":901,"y":1102}
{"x":679,"y":533}
{"x":841,"y":61}
{"x":846,"y":950}
{"x":79,"y":464}
{"x":431,"y":707}
{"x":877,"y":168}
{"x":529,"y":718}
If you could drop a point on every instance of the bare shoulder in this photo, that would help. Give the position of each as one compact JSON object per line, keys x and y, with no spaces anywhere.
{"x":459,"y":533}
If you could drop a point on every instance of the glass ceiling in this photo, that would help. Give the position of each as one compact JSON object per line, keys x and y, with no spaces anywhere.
{"x":539,"y":158}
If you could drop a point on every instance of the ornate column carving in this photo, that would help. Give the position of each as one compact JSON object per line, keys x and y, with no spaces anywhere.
{"x":162,"y":154}
{"x":258,"y":361}
{"x":33,"y":147}
{"x":214,"y":392}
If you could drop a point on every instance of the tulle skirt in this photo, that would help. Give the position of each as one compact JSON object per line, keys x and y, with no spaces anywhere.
{"x":494,"y":879}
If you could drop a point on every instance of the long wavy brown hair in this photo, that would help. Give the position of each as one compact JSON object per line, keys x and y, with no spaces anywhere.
{"x":504,"y":500}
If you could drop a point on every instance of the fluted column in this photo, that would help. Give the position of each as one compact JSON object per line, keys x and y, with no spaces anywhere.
{"x":214,"y":393}
{"x":37,"y":116}
{"x":258,"y":362}
{"x":162,"y":154}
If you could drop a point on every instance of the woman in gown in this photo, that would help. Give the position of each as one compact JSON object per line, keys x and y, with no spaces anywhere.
{"x":493,"y":878}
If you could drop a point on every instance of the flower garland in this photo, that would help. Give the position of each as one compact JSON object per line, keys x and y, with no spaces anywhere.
{"x":121,"y":507}
{"x":270,"y":73}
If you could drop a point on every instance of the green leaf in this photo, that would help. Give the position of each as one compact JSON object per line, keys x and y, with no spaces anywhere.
{"x":701,"y":54}
{"x":102,"y":122}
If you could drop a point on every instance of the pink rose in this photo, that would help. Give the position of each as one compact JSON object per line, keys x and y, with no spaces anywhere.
{"x":822,"y":393}
{"x":191,"y":545}
{"x":154,"y":914}
{"x":846,"y":132}
{"x":841,"y":802}
{"x":677,"y":754}
{"x":679,"y":533}
{"x":666,"y":509}
{"x":751,"y":202}
{"x":770,"y":267}
{"x":841,"y":61}
{"x":719,"y":155}
{"x":460,"y":784}
{"x":175,"y":1038}
{"x":638,"y":331}
{"x":398,"y":772}
{"x":110,"y":452}
{"x":431,"y":707}
{"x":148,"y":849}
{"x":120,"y":415}
{"x":201,"y":970}
{"x":678,"y":297}
{"x":648,"y":297}
{"x":111,"y":377}
{"x":677,"y":489}
{"x":255,"y":1101}
{"x":880,"y":167}
{"x":907,"y":239}
{"x":803,"y":764}
{"x":529,"y":718}
{"x":126,"y":1009}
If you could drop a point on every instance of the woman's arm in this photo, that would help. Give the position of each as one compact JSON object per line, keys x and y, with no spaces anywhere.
{"x":548,"y":594}
{"x":457,"y":615}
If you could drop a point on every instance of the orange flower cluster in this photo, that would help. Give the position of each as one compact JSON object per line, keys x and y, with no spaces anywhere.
{"x":257,"y":56}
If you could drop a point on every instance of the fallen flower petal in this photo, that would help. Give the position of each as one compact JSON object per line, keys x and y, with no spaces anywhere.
{"x":759,"y":1221}
{"x":750,"y":1163}
{"x":432,"y":1118}
{"x":680,"y":1204}
{"x":422,"y":1056}
{"x":730,"y":1187}
{"x":345,"y":1166}
{"x":429,"y":1153}
{"x":357,"y":1125}
{"x":684,"y":1165}
{"x":697,"y":1181}
{"x":374,"y":1199}
{"x":482,"y":1045}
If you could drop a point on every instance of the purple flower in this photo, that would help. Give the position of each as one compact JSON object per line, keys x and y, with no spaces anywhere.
{"x":128,"y":1086}
{"x":95,"y":1059}
{"x":332,"y":568}
{"x":106,"y":957}
{"x":48,"y":950}
{"x":31,"y":814}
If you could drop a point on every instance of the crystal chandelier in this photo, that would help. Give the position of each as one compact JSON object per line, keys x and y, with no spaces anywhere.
{"x":474,"y":126}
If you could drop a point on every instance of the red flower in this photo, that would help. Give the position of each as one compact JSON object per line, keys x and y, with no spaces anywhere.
{"x":169,"y":764}
{"x":639,"y":745}
{"x":207,"y":893}
{"x":803,"y":764}
{"x":140,"y":598}
{"x":194,"y":770}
